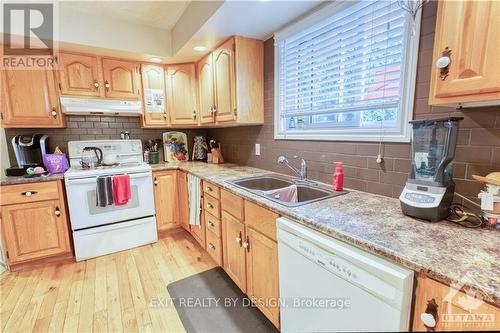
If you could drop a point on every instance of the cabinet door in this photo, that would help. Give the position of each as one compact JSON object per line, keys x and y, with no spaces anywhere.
{"x":233,"y":236}
{"x":153,"y":91}
{"x":79,"y":75}
{"x":35,"y":230}
{"x":181,"y":96}
{"x":225,"y":101}
{"x":471,"y":31}
{"x":29,"y":99}
{"x":182,"y":200}
{"x":198,"y":231}
{"x":455,"y":311}
{"x":204,"y":70}
{"x":165,"y":189}
{"x":120,"y":79}
{"x":262,"y":256}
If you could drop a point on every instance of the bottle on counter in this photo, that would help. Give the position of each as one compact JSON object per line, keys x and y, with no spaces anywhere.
{"x":146,"y":156}
{"x":338,"y":177}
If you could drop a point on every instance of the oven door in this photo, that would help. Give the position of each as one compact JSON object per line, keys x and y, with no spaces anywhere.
{"x":84,"y":213}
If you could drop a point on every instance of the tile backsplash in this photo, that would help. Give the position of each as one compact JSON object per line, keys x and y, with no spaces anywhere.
{"x":478,"y":150}
{"x":95,"y":128}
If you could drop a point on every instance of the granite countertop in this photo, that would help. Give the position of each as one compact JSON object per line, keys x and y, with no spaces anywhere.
{"x":444,"y":251}
{"x":11,"y":180}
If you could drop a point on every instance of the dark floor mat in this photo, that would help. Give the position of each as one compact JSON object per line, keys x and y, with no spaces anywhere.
{"x":195,"y":299}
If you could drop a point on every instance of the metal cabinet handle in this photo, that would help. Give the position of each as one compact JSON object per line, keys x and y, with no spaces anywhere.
{"x":29,"y":193}
{"x":430,"y":316}
{"x":96,"y":84}
{"x":239,"y":239}
{"x":214,"y":109}
{"x":155,"y":182}
{"x":211,"y":246}
{"x":210,"y":206}
{"x":54,"y":112}
{"x":246,"y":244}
{"x":107,"y":85}
{"x":208,"y":189}
{"x":210,"y":223}
{"x":194,"y":114}
{"x":165,"y":115}
{"x":57,"y":212}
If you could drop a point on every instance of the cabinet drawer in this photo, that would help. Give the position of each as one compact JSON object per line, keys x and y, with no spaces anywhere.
{"x":214,"y":247}
{"x":211,"y":189}
{"x":261,"y":219}
{"x":30,"y":192}
{"x":212,"y":223}
{"x":232,"y":204}
{"x":211,"y":205}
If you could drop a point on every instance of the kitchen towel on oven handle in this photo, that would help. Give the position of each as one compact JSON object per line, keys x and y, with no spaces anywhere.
{"x":104,"y":191}
{"x":121,"y":189}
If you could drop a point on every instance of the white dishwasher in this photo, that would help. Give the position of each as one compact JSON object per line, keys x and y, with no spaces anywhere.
{"x":327,"y":285}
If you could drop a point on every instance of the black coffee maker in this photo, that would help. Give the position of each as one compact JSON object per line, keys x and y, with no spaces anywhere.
{"x":29,"y":150}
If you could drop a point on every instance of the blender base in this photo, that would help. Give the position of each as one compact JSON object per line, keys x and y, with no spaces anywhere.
{"x":432,"y":204}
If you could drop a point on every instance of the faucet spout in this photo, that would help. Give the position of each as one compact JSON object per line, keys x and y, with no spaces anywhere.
{"x":302,"y":173}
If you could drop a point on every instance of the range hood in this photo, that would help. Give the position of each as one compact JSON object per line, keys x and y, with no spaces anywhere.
{"x":92,"y":106}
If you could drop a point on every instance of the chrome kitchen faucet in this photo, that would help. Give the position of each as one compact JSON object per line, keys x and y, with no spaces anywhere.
{"x":302,"y":173}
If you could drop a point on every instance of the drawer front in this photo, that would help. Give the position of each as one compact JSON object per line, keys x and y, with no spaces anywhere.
{"x":213,"y":224}
{"x":211,"y":205}
{"x":211,"y":189}
{"x":214,"y":247}
{"x":232,"y":204}
{"x":261,"y":219}
{"x":30,"y":192}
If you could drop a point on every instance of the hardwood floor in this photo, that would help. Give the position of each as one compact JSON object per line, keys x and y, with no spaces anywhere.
{"x":112,"y":293}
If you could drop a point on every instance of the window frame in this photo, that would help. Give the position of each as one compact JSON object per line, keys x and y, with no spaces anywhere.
{"x":409,"y":69}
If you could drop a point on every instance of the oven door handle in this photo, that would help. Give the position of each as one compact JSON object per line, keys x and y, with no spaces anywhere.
{"x":93,"y":179}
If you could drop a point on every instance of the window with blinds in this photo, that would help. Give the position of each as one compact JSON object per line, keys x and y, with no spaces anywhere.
{"x":347,"y":73}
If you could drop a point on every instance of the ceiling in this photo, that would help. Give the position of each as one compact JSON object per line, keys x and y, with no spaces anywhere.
{"x":156,"y":14}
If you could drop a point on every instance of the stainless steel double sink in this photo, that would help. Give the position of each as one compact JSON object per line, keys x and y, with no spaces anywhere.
{"x":307,"y":191}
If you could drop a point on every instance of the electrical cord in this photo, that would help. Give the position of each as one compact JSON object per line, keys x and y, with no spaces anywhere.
{"x":464,"y":216}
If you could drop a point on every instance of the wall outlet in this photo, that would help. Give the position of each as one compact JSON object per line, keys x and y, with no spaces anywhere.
{"x":257,"y":149}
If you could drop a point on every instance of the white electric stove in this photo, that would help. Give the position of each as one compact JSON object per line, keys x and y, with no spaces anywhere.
{"x":102,"y":230}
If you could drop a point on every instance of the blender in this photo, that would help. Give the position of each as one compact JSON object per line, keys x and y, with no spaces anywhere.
{"x":429,"y":190}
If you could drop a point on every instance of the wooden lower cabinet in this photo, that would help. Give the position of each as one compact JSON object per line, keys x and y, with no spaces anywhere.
{"x":165,"y":191}
{"x":34,"y":226}
{"x":198,"y":232}
{"x":451,"y":309}
{"x":182,"y":200}
{"x":250,"y":252}
{"x":233,"y":233}
{"x":262,"y":274}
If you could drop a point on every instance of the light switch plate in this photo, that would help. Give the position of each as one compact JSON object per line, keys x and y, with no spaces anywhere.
{"x":257,"y":149}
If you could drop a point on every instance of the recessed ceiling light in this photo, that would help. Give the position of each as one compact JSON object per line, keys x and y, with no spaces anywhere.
{"x":200,"y":48}
{"x":155,"y":59}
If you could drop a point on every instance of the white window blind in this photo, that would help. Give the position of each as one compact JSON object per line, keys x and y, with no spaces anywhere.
{"x":348,"y":73}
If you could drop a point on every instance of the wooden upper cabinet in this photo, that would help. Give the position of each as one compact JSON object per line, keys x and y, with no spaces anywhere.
{"x":181,"y":94}
{"x":204,"y":70}
{"x":120,"y":79}
{"x":470,"y":31}
{"x":35,"y":230}
{"x":224,"y":77}
{"x":79,"y":75}
{"x":153,"y":91}
{"x":29,"y":99}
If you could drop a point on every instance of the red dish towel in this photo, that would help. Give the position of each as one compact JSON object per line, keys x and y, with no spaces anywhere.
{"x":121,"y":189}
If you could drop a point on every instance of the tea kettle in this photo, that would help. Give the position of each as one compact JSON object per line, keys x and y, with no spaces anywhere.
{"x":91,"y":157}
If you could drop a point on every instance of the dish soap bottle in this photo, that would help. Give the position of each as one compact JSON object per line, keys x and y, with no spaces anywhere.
{"x":338,"y":177}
